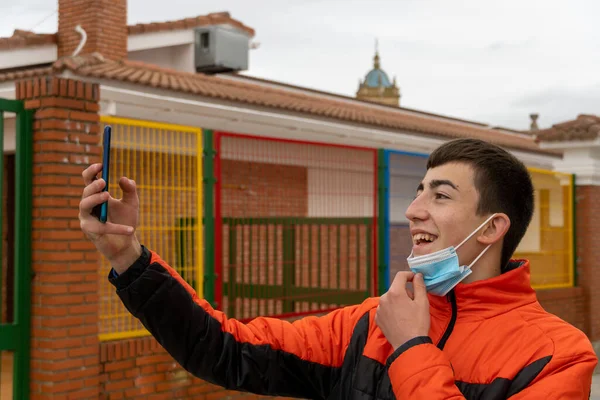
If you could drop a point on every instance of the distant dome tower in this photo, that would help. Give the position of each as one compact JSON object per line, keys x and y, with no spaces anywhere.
{"x":377,"y":87}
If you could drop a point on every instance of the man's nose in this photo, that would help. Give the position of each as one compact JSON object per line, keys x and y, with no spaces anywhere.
{"x":417,"y":209}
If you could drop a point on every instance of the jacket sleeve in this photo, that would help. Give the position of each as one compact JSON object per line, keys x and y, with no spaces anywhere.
{"x":565,"y":378}
{"x":419,"y":370}
{"x":432,"y":376}
{"x":266,"y":356}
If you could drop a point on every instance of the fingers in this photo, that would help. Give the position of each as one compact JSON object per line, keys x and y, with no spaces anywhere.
{"x":129,"y":191}
{"x":91,"y":225}
{"x":127,"y":185}
{"x":89,"y":174}
{"x":87,"y":204}
{"x":420,"y":290}
{"x":94,"y":195}
{"x":399,"y":283}
{"x":95,"y":187}
{"x":410,"y":293}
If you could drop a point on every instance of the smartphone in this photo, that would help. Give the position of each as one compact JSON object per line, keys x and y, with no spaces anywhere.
{"x":101,"y":210}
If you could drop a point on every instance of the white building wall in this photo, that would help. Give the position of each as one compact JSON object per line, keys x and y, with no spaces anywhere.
{"x":180,"y":58}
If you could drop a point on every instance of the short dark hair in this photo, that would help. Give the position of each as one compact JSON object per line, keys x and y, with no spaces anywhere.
{"x":502,"y":181}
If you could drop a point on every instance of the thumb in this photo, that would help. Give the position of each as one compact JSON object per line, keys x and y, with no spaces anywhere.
{"x":420,"y":290}
{"x":129,"y":190}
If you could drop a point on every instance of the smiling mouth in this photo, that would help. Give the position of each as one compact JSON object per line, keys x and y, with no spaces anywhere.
{"x":423,"y":238}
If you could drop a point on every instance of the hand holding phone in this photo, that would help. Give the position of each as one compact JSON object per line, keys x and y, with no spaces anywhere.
{"x":101,"y":210}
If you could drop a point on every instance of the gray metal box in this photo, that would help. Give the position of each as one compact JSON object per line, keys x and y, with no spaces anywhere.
{"x":220,"y":49}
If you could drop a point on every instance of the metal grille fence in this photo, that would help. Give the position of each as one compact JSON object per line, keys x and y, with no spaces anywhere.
{"x":548,"y":243}
{"x":295,"y":226}
{"x":166,"y":162}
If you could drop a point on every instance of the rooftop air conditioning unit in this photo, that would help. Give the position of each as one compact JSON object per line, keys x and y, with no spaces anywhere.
{"x":220,"y":49}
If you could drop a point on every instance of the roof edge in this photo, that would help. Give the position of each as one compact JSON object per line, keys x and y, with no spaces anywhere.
{"x":22,"y":38}
{"x":94,"y":66}
{"x":189,"y":23}
{"x":482,"y":125}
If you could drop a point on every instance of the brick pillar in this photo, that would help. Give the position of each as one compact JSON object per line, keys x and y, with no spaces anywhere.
{"x":65,"y":347}
{"x":588,"y":255}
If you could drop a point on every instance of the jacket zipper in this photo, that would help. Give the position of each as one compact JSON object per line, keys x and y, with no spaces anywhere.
{"x":448,"y":332}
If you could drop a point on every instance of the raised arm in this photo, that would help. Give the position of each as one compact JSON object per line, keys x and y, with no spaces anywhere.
{"x":266,"y":356}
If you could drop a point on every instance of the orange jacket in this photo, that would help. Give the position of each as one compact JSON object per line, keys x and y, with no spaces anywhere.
{"x":488,"y":340}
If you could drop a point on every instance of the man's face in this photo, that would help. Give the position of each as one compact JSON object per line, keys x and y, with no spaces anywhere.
{"x":443,"y":213}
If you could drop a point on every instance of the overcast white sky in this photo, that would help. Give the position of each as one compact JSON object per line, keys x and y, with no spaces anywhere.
{"x":489,"y":61}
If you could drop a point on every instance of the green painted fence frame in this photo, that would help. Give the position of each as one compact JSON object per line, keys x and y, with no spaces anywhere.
{"x":16,"y":336}
{"x":289,"y":289}
{"x":209,"y":180}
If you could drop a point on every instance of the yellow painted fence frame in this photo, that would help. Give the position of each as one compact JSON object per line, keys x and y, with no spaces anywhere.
{"x":199,"y":231}
{"x":570,"y":228}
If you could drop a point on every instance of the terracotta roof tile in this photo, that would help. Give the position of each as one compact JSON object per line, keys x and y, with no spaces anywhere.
{"x":189,"y":23}
{"x":24,"y":74}
{"x":95,"y":66}
{"x":584,"y":127}
{"x":21,"y":38}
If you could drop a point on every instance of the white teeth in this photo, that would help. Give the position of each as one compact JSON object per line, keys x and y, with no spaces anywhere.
{"x":423,"y":237}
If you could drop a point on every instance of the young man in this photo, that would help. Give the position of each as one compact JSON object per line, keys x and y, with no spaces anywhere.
{"x":460,"y":333}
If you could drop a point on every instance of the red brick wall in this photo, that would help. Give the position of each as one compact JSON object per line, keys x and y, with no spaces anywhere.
{"x":588,"y":256}
{"x":104,"y":21}
{"x":254,"y":189}
{"x":566,"y":303}
{"x":64,"y":343}
{"x":142,"y":369}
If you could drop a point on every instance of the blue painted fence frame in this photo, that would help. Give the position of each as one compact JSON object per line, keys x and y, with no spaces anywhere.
{"x":384,"y":213}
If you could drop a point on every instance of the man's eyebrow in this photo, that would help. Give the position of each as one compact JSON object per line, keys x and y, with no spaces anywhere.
{"x":438,"y":182}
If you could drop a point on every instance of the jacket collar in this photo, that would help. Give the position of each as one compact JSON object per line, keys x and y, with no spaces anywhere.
{"x":490,"y":297}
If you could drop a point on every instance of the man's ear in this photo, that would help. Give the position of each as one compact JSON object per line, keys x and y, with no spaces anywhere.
{"x":495,"y":229}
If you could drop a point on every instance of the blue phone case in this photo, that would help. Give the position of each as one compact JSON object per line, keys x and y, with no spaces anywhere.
{"x":101,"y":212}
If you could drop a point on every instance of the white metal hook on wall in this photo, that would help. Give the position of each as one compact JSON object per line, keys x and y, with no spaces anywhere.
{"x":81,"y":31}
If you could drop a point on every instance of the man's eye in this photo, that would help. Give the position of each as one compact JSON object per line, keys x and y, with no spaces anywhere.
{"x":441,"y":196}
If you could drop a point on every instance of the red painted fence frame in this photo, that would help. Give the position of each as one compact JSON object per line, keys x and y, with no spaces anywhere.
{"x":219,"y":217}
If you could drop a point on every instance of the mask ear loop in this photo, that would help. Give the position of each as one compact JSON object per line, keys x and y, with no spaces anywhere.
{"x":484,"y":250}
{"x":479,"y":256}
{"x":475,"y":231}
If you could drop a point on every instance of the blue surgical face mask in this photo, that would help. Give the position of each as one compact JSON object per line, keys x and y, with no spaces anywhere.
{"x":441,"y":270}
